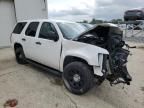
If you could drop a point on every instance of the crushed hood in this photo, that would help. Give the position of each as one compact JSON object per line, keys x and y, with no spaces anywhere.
{"x":93,"y":28}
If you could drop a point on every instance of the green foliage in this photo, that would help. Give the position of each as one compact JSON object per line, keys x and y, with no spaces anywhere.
{"x":94,"y":21}
{"x":116,"y":21}
{"x":85,"y":21}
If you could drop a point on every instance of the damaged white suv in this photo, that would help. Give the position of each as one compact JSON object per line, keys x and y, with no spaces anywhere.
{"x":82,"y":56}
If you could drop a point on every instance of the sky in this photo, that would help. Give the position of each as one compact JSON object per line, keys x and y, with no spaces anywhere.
{"x":79,"y":10}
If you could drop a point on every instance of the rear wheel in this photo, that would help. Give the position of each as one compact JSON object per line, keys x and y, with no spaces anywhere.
{"x":20,"y":57}
{"x":78,"y":77}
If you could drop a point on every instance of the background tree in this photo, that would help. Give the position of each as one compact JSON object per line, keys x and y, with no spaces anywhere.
{"x":94,"y":21}
{"x":116,"y":21}
{"x":85,"y":21}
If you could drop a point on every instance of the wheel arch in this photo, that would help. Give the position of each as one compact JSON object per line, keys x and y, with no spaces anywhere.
{"x":70,"y":59}
{"x":17,"y":45}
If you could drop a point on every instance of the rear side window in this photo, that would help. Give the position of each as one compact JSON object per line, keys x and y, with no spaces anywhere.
{"x":32,"y":28}
{"x":19,"y":27}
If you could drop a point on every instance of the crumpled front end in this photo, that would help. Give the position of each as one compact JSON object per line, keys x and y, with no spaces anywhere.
{"x":109,"y":37}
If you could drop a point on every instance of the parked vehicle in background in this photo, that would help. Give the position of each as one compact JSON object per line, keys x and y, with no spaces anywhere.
{"x":134,"y":14}
{"x":80,"y":54}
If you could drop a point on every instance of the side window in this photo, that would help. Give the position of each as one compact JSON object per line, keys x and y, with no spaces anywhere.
{"x":19,"y":27}
{"x":47,"y":31}
{"x":32,"y":28}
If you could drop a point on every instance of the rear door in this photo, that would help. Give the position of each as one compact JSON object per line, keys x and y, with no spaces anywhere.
{"x":48,"y":50}
{"x":17,"y":34}
{"x":29,"y":40}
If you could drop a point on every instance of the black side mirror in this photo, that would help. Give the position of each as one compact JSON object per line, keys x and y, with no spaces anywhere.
{"x":53,"y":36}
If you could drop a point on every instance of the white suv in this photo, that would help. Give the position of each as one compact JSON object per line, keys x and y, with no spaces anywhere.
{"x":80,"y":55}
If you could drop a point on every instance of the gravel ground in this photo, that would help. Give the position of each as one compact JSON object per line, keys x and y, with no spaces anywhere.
{"x":36,"y":88}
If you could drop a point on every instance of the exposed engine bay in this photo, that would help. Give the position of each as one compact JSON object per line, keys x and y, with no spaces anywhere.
{"x":110,"y":38}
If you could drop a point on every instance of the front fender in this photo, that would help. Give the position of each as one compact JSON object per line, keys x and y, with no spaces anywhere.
{"x":87,"y":52}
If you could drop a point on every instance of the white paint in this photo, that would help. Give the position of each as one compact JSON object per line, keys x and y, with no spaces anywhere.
{"x":7,"y":21}
{"x":49,"y":52}
{"x":31,"y":9}
{"x":13,"y":10}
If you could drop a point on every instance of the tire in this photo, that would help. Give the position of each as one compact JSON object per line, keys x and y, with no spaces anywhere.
{"x":78,"y":78}
{"x":20,"y":56}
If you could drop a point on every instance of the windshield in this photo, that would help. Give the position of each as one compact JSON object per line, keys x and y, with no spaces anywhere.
{"x":87,"y":25}
{"x":71,"y":30}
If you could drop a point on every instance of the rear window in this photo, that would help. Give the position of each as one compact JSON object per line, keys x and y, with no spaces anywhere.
{"x":32,"y":28}
{"x":19,"y":27}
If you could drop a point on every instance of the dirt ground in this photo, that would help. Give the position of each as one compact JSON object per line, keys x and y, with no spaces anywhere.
{"x":36,"y":88}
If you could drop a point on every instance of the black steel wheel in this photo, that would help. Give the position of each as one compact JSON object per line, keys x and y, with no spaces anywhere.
{"x":78,"y":77}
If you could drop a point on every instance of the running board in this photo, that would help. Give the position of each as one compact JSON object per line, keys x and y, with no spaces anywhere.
{"x":45,"y":68}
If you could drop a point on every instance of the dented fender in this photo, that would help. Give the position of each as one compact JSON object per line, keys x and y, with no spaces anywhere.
{"x":90,"y":53}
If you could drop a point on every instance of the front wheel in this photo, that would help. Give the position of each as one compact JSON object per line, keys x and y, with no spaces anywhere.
{"x":78,"y":77}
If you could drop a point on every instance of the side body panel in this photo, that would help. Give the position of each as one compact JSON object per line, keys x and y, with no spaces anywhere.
{"x":48,"y":52}
{"x":53,"y":54}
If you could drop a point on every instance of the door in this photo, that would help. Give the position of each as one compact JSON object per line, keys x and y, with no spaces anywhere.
{"x":29,"y":40}
{"x":48,"y":46}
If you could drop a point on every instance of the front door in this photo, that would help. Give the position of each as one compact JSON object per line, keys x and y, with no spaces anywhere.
{"x":48,"y":50}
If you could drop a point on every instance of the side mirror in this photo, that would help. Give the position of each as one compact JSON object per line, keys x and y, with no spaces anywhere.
{"x":53,"y":36}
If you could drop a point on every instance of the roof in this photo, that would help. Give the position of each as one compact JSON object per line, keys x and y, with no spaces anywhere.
{"x":135,"y":9}
{"x":49,"y":20}
{"x":65,"y":21}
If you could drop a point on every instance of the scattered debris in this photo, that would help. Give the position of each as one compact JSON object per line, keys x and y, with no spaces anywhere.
{"x":125,"y":92}
{"x":56,"y":105}
{"x":136,"y":100}
{"x":11,"y":103}
{"x":142,"y":89}
{"x":141,"y":47}
{"x":57,"y":81}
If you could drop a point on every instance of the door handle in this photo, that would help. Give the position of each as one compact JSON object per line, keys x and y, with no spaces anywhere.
{"x":38,"y":43}
{"x":23,"y":39}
